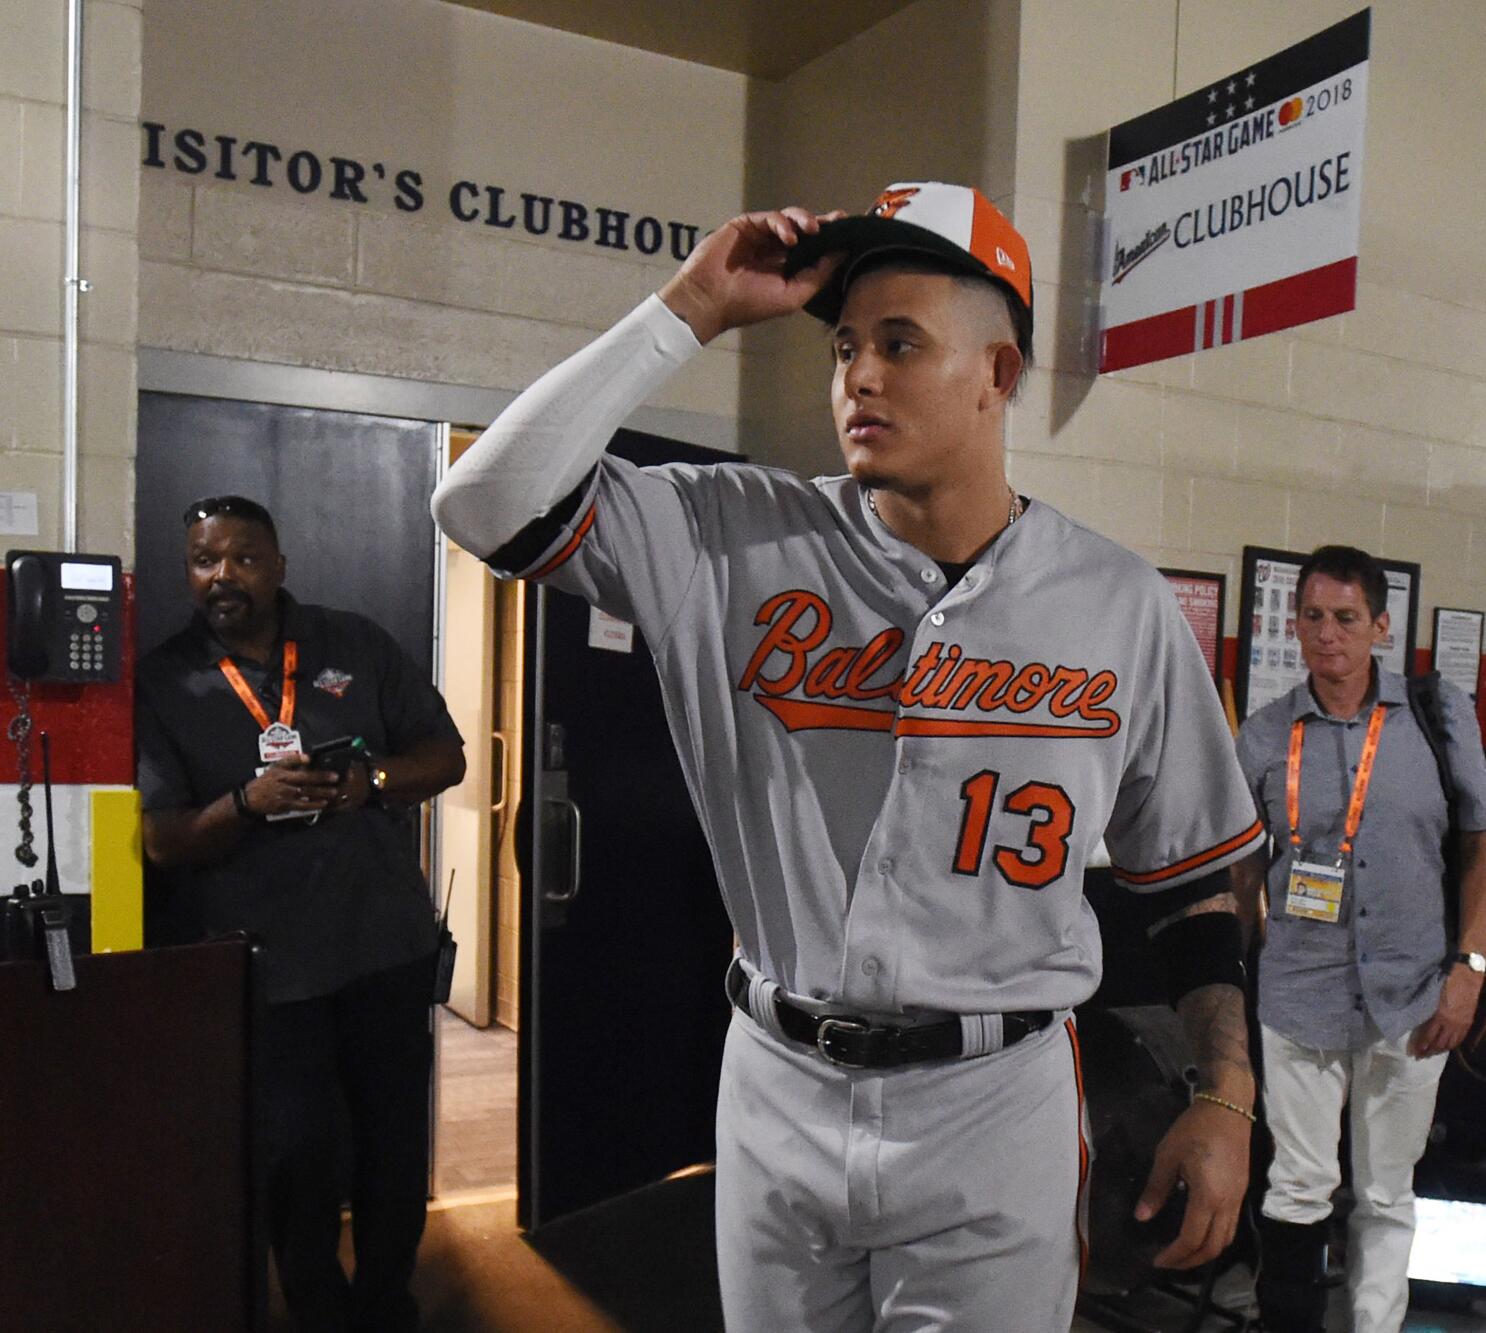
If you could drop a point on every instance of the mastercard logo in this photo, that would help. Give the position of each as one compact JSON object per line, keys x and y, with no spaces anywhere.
{"x":1291,"y":111}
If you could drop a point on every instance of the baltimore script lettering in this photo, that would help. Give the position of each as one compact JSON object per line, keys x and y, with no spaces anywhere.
{"x":809,"y":690}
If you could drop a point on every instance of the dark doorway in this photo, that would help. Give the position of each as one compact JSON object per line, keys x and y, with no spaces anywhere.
{"x":624,"y":937}
{"x":349,"y":493}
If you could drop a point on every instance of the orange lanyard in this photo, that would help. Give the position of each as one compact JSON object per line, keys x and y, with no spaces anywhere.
{"x":244,"y":691}
{"x":1359,"y":787}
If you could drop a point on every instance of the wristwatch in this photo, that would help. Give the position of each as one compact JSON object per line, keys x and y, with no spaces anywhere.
{"x":1475,"y":961}
{"x":376,"y":777}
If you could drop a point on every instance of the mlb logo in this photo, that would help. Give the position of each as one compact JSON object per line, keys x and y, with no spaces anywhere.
{"x":1126,"y":177}
{"x":335,"y":683}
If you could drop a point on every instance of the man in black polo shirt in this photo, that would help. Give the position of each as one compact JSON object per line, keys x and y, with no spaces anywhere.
{"x":324,"y":870}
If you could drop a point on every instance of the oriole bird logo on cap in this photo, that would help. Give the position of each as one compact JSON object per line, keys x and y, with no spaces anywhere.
{"x":889,"y":202}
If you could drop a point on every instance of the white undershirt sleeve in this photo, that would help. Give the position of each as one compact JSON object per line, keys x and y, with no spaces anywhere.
{"x":540,"y":448}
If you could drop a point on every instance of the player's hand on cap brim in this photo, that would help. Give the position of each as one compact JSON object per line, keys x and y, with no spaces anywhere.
{"x":737,"y":274}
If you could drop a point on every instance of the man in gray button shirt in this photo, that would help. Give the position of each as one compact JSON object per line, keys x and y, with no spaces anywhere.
{"x":1364,"y":986}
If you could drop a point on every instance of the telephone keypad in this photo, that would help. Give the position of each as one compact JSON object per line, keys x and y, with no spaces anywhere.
{"x":85,"y":650}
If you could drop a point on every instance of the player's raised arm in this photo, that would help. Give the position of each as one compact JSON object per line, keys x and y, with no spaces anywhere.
{"x":542,"y":446}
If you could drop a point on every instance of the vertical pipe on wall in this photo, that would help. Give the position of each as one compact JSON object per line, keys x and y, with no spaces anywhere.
{"x":73,"y":283}
{"x":436,"y":806}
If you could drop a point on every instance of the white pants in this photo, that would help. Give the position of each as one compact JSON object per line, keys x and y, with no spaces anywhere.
{"x":931,"y":1197}
{"x":1392,"y":1103}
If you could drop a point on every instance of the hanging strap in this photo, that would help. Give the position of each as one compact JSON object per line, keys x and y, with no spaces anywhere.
{"x":251,"y":702}
{"x":1359,"y":786}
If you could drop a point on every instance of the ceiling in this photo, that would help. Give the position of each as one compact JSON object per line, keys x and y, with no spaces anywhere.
{"x":768,"y":39}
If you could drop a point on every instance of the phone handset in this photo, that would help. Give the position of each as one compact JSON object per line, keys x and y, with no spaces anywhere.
{"x":28,"y":617}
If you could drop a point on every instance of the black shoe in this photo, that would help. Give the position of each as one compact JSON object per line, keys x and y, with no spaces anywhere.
{"x":1292,"y":1275}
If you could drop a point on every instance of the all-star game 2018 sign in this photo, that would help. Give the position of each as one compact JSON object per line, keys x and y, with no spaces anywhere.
{"x":1234,"y":211}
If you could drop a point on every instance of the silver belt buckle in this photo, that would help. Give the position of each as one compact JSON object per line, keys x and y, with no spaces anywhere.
{"x":824,"y":1031}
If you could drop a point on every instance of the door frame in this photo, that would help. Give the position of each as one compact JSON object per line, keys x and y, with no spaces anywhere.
{"x":200,"y":374}
{"x":545,"y":865}
{"x":429,"y":819}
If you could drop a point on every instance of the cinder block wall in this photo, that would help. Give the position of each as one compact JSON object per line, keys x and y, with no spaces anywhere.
{"x":929,"y":93}
{"x":33,"y":90}
{"x":234,"y":269}
{"x":1368,"y":428}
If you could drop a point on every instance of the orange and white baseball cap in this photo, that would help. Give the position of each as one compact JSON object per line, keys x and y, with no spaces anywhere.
{"x":954,"y":225}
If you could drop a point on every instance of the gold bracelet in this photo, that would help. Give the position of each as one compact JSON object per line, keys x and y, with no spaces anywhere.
{"x":1232,"y":1106}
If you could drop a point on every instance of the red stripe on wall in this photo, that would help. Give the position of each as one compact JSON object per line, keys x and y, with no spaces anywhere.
{"x":1143,"y":340}
{"x":91,"y":726}
{"x":1314,"y":294}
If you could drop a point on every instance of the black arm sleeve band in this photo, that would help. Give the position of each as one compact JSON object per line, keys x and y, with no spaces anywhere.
{"x":1201,"y":950}
{"x":1154,"y":907}
{"x":524,"y":548}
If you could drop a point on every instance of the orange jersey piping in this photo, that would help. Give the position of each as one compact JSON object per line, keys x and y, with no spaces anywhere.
{"x":1192,"y":862}
{"x":564,"y":555}
{"x":1083,"y":1152}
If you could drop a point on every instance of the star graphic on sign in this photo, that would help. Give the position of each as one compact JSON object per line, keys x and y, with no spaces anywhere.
{"x":1212,"y":95}
{"x":1231,"y":110}
{"x":1211,"y":116}
{"x":1248,"y":103}
{"x":1232,"y":87}
{"x":1249,"y":79}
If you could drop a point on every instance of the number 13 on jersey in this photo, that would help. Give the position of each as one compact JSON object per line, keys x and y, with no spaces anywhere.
{"x":1043,"y":857}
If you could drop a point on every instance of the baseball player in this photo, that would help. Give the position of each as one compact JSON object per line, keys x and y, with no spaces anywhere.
{"x":908,"y":702}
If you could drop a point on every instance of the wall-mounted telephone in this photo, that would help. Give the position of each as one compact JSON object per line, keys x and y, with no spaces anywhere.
{"x":65,"y":620}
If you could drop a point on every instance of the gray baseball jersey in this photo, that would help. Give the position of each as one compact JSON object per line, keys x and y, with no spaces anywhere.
{"x":901,"y":783}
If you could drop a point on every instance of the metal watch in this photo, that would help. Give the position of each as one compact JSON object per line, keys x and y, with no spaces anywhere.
{"x":1475,"y":961}
{"x":376,"y":775}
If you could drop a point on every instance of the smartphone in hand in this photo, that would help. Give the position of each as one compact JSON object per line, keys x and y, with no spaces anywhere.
{"x":337,"y":755}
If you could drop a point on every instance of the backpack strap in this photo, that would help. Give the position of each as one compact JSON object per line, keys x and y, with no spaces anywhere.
{"x":1429,"y":712}
{"x":1428,"y":709}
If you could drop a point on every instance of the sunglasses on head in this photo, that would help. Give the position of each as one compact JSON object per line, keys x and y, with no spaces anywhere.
{"x":231,"y":505}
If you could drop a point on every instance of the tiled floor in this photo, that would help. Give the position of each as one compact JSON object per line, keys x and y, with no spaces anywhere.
{"x":475,"y":1145}
{"x":476,"y":1163}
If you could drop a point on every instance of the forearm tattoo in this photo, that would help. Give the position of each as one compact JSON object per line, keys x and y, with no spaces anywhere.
{"x":1213,"y":1018}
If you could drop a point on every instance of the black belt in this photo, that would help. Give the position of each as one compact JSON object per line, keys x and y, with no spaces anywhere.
{"x":858,"y":1043}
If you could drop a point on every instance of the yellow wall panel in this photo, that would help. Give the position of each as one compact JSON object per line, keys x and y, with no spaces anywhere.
{"x":118,"y":872}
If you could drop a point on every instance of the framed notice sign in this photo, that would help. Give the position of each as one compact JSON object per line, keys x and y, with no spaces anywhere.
{"x":1457,"y":646}
{"x":1200,"y":596}
{"x":1235,"y":210}
{"x":1269,"y":661}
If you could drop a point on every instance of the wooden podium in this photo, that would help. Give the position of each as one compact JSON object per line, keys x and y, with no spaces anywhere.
{"x":128,"y":1197}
